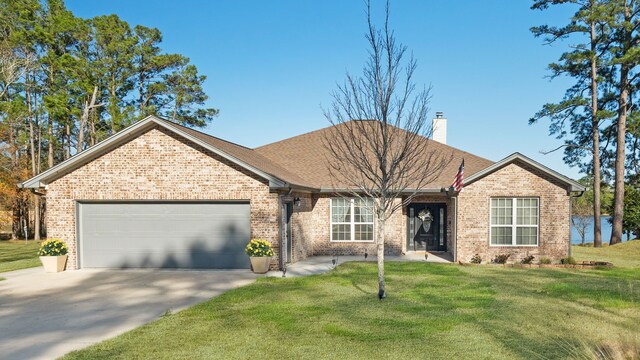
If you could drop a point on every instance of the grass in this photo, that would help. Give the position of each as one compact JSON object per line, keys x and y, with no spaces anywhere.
{"x":625,"y":254}
{"x":438,"y":311}
{"x":16,"y":255}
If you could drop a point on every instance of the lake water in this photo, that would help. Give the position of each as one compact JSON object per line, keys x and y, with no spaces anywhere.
{"x":606,"y":232}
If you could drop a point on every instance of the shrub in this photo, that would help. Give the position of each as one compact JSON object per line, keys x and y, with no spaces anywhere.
{"x":527,"y":260}
{"x":53,"y":247}
{"x":259,"y":247}
{"x":568,"y":261}
{"x":545,"y":261}
{"x":501,"y":259}
{"x":476,"y":259}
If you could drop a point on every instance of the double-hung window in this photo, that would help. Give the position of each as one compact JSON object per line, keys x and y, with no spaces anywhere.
{"x":351,"y":219}
{"x":514,"y":221}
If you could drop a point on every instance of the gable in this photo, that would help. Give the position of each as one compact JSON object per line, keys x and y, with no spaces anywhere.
{"x":155,"y":161}
{"x":532,"y":166}
{"x":241,"y":156}
{"x":519,"y":179}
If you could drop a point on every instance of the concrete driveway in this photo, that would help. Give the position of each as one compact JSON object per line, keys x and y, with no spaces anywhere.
{"x":44,"y":316}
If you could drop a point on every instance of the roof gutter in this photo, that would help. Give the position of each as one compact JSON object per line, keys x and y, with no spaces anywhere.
{"x":294,"y":187}
{"x":405,"y":191}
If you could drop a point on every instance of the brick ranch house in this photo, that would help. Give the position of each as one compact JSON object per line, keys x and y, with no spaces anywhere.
{"x":158,"y":195}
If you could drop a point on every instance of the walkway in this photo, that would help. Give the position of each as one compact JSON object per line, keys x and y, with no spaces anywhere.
{"x":321,"y":264}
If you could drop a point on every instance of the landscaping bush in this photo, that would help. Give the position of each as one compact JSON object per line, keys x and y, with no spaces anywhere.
{"x":527,"y":260}
{"x":53,"y":247}
{"x":476,"y":259}
{"x":545,"y":261}
{"x":501,"y":259}
{"x":568,"y":261}
{"x":259,"y":247}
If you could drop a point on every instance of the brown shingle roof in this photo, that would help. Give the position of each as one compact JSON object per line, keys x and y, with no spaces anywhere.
{"x":300,"y":160}
{"x":306,"y":156}
{"x":246,"y":155}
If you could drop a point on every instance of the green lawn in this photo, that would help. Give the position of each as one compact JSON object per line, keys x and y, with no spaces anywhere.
{"x":626,"y":254}
{"x":432,"y":311}
{"x":16,"y":254}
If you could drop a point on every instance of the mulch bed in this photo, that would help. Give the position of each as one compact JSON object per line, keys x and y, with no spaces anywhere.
{"x":581,"y":265}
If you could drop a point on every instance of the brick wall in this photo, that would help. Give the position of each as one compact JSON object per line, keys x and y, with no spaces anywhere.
{"x":158,"y":165}
{"x":311,"y":229}
{"x":514,"y":180}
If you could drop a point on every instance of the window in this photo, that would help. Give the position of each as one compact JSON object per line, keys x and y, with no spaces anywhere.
{"x":351,"y":219}
{"x":514,"y":221}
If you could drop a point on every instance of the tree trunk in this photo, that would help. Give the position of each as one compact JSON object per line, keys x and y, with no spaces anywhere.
{"x":595,"y":133}
{"x":67,"y":149}
{"x":381,"y":226}
{"x":92,"y":131}
{"x":39,"y":149}
{"x":36,"y":217}
{"x":32,"y":152}
{"x":618,"y":197}
{"x":50,"y":142}
{"x":113,"y":105}
{"x":81,"y":126}
{"x":141,"y":92}
{"x":15,"y":211}
{"x":88,"y":105}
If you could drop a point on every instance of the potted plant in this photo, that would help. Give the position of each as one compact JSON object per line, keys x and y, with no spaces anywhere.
{"x":53,"y":255}
{"x":260,"y":253}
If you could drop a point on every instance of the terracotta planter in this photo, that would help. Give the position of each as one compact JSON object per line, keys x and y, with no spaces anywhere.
{"x":260,"y":264}
{"x":53,"y":264}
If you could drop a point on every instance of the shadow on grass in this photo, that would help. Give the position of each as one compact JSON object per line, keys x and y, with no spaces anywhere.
{"x":445,"y":311}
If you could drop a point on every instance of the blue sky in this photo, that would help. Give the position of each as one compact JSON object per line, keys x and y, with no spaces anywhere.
{"x":271,"y":65}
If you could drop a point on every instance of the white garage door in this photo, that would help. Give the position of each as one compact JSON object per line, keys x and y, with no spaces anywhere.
{"x":196,"y":235}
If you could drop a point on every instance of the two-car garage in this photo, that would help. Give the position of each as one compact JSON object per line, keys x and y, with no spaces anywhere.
{"x":161,"y":195}
{"x":163,"y":234}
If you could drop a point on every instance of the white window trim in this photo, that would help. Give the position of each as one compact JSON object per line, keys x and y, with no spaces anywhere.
{"x":352,"y":224}
{"x":513,"y":222}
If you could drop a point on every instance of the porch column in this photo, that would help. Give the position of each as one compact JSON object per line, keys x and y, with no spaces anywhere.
{"x":454,"y":230}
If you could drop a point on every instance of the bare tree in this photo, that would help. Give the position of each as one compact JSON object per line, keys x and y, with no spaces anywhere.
{"x":12,"y":67}
{"x":581,"y":224}
{"x":377,"y":147}
{"x":89,"y":105}
{"x":582,"y":214}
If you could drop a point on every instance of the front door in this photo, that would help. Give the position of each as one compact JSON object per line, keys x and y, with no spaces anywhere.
{"x":426,"y":227}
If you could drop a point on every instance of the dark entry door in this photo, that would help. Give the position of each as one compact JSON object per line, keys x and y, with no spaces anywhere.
{"x":426,"y":227}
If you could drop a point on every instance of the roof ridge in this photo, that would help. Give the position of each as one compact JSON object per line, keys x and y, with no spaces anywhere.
{"x":330,"y":126}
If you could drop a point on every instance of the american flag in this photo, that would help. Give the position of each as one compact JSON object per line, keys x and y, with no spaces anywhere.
{"x":458,"y":181}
